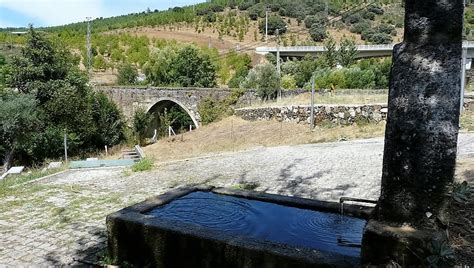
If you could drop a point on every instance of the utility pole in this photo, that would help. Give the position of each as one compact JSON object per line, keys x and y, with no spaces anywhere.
{"x":65,"y":147}
{"x":266,"y":24}
{"x":88,"y":45}
{"x":278,"y":61}
{"x":312,"y":102}
{"x":463,"y":77}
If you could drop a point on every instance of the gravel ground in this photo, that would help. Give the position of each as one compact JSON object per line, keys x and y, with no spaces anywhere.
{"x":61,"y":220}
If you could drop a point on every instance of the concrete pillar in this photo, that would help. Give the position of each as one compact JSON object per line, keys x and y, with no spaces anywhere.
{"x":421,"y":133}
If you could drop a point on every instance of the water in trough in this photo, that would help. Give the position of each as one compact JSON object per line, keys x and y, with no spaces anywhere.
{"x":323,"y":231}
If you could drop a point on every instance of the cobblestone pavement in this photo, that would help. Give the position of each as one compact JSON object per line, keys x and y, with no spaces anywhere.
{"x":61,"y":220}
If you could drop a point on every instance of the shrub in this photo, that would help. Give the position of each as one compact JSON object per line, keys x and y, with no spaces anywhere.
{"x":256,"y":11}
{"x":99,"y":63}
{"x":282,"y":12}
{"x":275,"y":7}
{"x":217,"y":8}
{"x":253,"y":15}
{"x":202,"y":12}
{"x":127,"y":74}
{"x":360,"y":27}
{"x":366,"y":34}
{"x":318,"y":19}
{"x":288,"y":82}
{"x":368,"y":15}
{"x":246,"y":5}
{"x":384,"y":28}
{"x":211,"y":17}
{"x":352,"y":19}
{"x":209,"y":110}
{"x":380,"y":38}
{"x":143,"y":165}
{"x":318,"y":32}
{"x":375,"y":9}
{"x":357,"y":78}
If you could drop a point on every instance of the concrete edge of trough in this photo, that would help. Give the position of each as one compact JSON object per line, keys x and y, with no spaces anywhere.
{"x":131,"y":224}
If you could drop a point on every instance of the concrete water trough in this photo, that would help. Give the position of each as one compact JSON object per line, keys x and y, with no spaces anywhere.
{"x":220,"y":227}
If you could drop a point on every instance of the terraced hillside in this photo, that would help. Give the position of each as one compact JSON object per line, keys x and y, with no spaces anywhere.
{"x":222,"y":27}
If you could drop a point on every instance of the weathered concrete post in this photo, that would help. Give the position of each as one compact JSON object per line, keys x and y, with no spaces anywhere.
{"x":421,"y":133}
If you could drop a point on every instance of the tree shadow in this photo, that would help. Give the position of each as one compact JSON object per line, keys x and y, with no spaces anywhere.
{"x":86,"y":249}
{"x":297,"y":185}
{"x":469,"y":176}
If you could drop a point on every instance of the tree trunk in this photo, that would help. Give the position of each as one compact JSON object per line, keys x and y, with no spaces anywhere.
{"x":7,"y":162}
{"x":423,"y":113}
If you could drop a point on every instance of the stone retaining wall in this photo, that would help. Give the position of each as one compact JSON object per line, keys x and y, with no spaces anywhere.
{"x":338,"y":114}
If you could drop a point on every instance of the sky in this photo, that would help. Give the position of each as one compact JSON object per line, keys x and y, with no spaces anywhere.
{"x":20,"y":13}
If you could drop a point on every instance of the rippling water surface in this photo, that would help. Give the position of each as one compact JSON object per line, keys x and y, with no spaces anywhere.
{"x":282,"y":224}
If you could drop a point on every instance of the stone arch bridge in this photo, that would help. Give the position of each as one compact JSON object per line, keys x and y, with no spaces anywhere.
{"x":129,"y":99}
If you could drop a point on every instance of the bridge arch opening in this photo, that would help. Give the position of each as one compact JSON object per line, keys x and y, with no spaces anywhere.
{"x":169,"y":112}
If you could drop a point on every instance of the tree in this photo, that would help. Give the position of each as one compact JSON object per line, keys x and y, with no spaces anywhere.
{"x":265,"y":80}
{"x":109,"y":121}
{"x":18,"y":120}
{"x":194,"y":68}
{"x":64,"y":102}
{"x":186,"y":66}
{"x":40,"y":61}
{"x":330,"y":53}
{"x":347,"y":52}
{"x":318,"y":32}
{"x":141,"y":120}
{"x":127,"y":75}
{"x":158,"y":69}
{"x":274,"y":22}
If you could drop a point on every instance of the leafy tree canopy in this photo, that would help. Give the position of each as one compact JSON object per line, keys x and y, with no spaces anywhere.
{"x":185,"y":66}
{"x":264,"y":79}
{"x":52,"y":89}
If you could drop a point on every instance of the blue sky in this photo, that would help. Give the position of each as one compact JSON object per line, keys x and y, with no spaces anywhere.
{"x":17,"y":13}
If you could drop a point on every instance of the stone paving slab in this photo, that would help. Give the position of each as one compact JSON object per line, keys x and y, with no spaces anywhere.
{"x":61,"y":220}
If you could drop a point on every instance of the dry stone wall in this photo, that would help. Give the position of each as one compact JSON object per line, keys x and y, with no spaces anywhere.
{"x":338,"y":114}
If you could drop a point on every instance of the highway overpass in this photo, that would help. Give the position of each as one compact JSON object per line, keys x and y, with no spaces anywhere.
{"x":368,"y":51}
{"x":363,"y":51}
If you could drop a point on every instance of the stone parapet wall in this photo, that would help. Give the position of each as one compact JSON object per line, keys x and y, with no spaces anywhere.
{"x":338,"y":114}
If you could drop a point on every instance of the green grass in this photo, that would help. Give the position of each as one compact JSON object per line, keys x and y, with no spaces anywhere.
{"x":249,"y":186}
{"x":33,"y":174}
{"x":143,"y":165}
